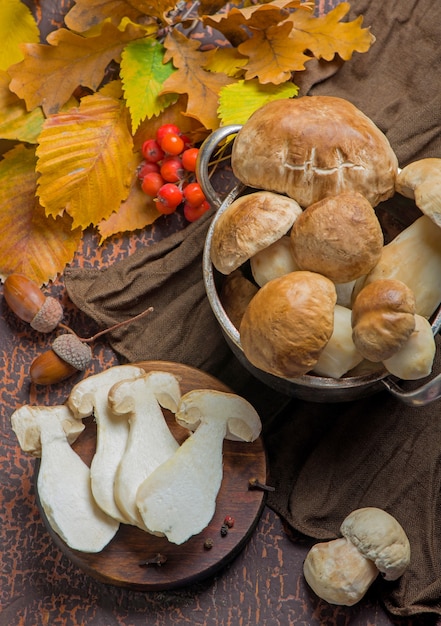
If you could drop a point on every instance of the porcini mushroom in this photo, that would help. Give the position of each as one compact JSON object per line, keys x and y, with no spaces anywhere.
{"x":421,"y":181}
{"x":63,"y":483}
{"x":179,"y":498}
{"x":273,"y":261}
{"x":88,"y":397}
{"x":415,"y":359}
{"x":342,"y":570}
{"x":150,"y":441}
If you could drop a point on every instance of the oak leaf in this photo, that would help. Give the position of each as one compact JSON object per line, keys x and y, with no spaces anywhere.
{"x":15,"y":122}
{"x":49,"y":73}
{"x":191,"y":78}
{"x":86,"y":13}
{"x":30,"y":242}
{"x":17,"y":26}
{"x":239,"y":101}
{"x":225,"y":59}
{"x":143,"y":73}
{"x":85,"y":161}
{"x":136,"y":212}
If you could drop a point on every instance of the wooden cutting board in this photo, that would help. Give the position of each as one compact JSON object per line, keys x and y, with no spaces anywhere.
{"x":121,"y":562}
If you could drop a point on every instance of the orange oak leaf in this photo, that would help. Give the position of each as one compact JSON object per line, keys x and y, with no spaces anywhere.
{"x":49,"y":73}
{"x":30,"y":242}
{"x":86,"y":13}
{"x":136,"y":212}
{"x":86,"y":160}
{"x":201,"y":86}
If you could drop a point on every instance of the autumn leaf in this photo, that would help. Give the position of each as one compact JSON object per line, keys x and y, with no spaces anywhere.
{"x":87,"y":13}
{"x":15,"y":122}
{"x":327,"y":36}
{"x":49,"y":74}
{"x":137,"y":212}
{"x":30,"y":242}
{"x":85,"y":161}
{"x":201,"y":86}
{"x":239,"y":101}
{"x":143,"y":74}
{"x":226,"y":60}
{"x":17,"y":26}
{"x":155,"y":8}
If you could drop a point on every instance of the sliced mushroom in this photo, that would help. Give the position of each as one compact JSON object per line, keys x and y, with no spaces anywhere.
{"x":150,"y":442}
{"x":63,"y":483}
{"x":90,"y":396}
{"x":179,"y":498}
{"x":342,"y":570}
{"x":421,"y":181}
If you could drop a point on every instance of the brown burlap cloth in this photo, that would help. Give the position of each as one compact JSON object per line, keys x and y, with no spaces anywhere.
{"x":325,"y":460}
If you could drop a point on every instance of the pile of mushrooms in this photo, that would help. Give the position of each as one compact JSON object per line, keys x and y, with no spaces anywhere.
{"x":342,"y":570}
{"x":139,"y":475}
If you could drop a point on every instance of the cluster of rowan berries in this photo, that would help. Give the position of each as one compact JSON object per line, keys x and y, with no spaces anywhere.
{"x":167,"y":173}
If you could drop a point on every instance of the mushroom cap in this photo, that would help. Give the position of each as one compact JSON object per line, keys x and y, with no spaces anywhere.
{"x":235,"y":295}
{"x":164,"y":386}
{"x":251,"y":223}
{"x":312,"y":147}
{"x":241,"y":418}
{"x":380,"y":538}
{"x":421,"y":181}
{"x":415,"y":359}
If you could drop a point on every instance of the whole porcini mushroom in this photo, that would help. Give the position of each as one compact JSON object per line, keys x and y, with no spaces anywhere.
{"x":179,"y":498}
{"x":421,"y":181}
{"x":342,"y":570}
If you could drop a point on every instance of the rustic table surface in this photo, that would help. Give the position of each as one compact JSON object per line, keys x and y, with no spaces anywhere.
{"x":39,"y":585}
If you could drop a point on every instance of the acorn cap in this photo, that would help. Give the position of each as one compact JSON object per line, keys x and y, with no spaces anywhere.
{"x":48,"y":317}
{"x":72,"y":350}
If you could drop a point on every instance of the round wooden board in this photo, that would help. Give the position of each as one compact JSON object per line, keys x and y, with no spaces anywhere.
{"x":120,"y":563}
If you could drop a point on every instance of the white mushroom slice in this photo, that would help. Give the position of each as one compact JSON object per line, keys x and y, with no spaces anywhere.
{"x":28,"y":432}
{"x":179,"y":498}
{"x":88,"y":397}
{"x":340,"y":354}
{"x":150,"y":442}
{"x":341,"y":571}
{"x":415,"y":359}
{"x":421,"y":181}
{"x":273,"y":261}
{"x":414,"y":257}
{"x":64,"y":485}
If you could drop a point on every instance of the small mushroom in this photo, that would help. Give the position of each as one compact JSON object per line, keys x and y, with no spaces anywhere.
{"x":342,"y":570}
{"x":63,"y":483}
{"x":179,"y":498}
{"x":88,"y":397}
{"x":415,"y":359}
{"x":150,"y":441}
{"x":273,"y":261}
{"x":421,"y":181}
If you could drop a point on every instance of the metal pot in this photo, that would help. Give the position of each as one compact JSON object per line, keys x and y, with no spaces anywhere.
{"x":357,"y":384}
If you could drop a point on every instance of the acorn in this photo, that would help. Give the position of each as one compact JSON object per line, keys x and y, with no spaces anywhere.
{"x":29,"y":303}
{"x":68,"y":355}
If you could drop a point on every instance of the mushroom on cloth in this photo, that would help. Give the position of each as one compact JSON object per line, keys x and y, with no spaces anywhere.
{"x":90,"y":396}
{"x":179,"y":498}
{"x":63,"y":483}
{"x":342,"y":570}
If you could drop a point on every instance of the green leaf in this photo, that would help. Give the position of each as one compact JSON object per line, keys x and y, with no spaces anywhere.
{"x":143,"y":74}
{"x":239,"y":100}
{"x":15,"y":122}
{"x":17,"y":26}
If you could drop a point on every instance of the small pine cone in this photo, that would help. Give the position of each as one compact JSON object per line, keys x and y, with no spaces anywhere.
{"x":48,"y":317}
{"x":72,"y":350}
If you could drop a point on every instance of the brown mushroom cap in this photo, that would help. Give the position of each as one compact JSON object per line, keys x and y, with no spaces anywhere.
{"x":312,"y":147}
{"x":421,"y":181}
{"x":380,"y":538}
{"x":383,"y":318}
{"x":288,"y":323}
{"x":339,"y":237}
{"x":251,"y":223}
{"x":235,"y":295}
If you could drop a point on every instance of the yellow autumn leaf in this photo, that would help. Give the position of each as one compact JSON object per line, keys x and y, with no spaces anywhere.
{"x":201,"y":86}
{"x":15,"y":122}
{"x":239,"y":101}
{"x":137,"y":212}
{"x":86,"y":161}
{"x":30,"y":242}
{"x":17,"y":26}
{"x":49,"y":73}
{"x":226,"y":60}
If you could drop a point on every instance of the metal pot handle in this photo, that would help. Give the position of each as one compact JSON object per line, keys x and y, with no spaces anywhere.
{"x":427,"y":393}
{"x":205,"y":153}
